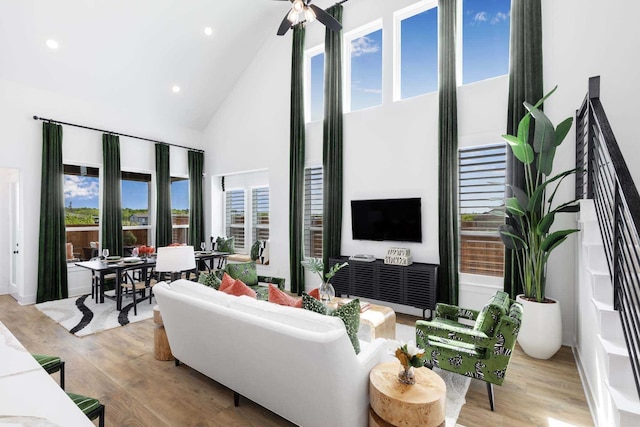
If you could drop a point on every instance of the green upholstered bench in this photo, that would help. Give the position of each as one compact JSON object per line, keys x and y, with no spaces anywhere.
{"x":51,"y":364}
{"x":89,"y":406}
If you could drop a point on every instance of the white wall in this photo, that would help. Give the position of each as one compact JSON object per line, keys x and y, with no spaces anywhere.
{"x":5,"y":234}
{"x":389,"y":150}
{"x":21,"y":148}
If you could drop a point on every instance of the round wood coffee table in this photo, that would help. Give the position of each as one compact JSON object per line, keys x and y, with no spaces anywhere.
{"x":397,"y":404}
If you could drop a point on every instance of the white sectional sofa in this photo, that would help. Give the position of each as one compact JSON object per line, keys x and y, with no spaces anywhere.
{"x":296,"y":363}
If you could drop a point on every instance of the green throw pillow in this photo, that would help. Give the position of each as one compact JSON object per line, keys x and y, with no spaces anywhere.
{"x":226,"y":245}
{"x":349,"y":313}
{"x":245,"y":271}
{"x":255,"y":250}
{"x":209,"y":279}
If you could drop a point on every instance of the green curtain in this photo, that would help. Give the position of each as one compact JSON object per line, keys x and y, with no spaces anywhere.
{"x":112,"y":195}
{"x":196,"y":211}
{"x":525,"y":84}
{"x":296,"y":162}
{"x":332,"y":142}
{"x":163,"y":197}
{"x":448,"y":155}
{"x":52,"y":254}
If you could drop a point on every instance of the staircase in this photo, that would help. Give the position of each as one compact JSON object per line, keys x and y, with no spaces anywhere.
{"x":600,"y":349}
{"x":607,"y":344}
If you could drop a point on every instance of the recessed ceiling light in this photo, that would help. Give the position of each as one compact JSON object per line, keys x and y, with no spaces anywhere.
{"x":51,"y":44}
{"x":208,"y":31}
{"x":175,"y":89}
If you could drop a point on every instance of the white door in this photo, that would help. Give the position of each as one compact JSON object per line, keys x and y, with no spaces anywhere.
{"x":15,"y":238}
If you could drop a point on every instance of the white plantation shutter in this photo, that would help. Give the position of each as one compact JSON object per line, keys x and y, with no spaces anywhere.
{"x":313,"y":212}
{"x":481,"y":208}
{"x":235,"y":214}
{"x":260,"y":206}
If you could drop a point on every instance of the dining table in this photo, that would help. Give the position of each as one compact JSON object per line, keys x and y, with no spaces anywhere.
{"x":101,"y":268}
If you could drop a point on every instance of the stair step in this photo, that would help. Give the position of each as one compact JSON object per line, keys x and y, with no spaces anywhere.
{"x":609,"y":322}
{"x":595,"y":257}
{"x":587,"y":210}
{"x":601,"y":287}
{"x":590,"y":232}
{"x":618,"y":367}
{"x":627,"y":406}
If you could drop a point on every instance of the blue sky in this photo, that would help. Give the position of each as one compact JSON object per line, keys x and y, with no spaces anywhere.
{"x":83,"y":192}
{"x":485,"y":46}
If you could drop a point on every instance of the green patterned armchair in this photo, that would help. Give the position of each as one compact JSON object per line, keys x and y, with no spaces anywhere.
{"x":481,"y":350}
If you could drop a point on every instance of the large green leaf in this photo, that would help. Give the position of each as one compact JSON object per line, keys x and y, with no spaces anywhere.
{"x":511,"y":238}
{"x":545,"y":160}
{"x":554,"y":239}
{"x":520,"y":150}
{"x":523,"y":128}
{"x":520,"y":194}
{"x":514,"y":207}
{"x":562,"y":130}
{"x":544,"y":134}
{"x":545,"y":224}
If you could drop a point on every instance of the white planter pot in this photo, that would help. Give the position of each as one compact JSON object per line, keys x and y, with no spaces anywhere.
{"x":540,"y":334}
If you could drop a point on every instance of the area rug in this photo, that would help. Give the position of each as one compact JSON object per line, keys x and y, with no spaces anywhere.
{"x":82,"y":316}
{"x":457,"y":385}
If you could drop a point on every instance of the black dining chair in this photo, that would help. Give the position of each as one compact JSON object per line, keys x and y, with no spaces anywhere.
{"x":135,"y":281}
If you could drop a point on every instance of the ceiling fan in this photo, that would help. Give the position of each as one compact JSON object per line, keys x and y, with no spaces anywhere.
{"x":304,"y":11}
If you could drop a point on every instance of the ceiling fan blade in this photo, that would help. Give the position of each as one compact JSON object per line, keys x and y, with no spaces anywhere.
{"x":284,"y":26}
{"x":328,"y":20}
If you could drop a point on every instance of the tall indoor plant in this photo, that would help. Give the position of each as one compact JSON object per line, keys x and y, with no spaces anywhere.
{"x":528,"y":233}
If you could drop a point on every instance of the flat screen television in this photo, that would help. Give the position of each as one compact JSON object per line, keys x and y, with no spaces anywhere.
{"x":387,"y":219}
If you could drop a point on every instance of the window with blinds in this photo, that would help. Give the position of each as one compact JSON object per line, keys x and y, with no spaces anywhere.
{"x":481,"y":208}
{"x":313,"y":212}
{"x":260,"y":207}
{"x":234,"y":216}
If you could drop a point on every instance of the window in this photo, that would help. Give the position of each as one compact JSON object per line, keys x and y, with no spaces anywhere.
{"x":485,"y":39}
{"x":313,"y":212}
{"x":260,"y":208}
{"x":180,"y":209}
{"x":416,"y":51}
{"x":136,"y":222}
{"x":364,"y":68}
{"x":481,"y":206}
{"x":315,"y":84}
{"x":81,"y":213}
{"x":235,"y":217}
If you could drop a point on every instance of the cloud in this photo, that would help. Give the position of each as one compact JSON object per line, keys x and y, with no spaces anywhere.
{"x":80,"y":187}
{"x":480,"y":17}
{"x":363,"y":46}
{"x":499,"y":17}
{"x":378,"y":91}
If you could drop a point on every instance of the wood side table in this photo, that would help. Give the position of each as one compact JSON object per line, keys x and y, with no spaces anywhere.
{"x":162,"y":350}
{"x":397,"y":404}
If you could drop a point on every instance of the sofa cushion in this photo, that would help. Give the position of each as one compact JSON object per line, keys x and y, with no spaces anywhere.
{"x":349,"y":313}
{"x":300,"y":319}
{"x":209,"y":279}
{"x":226,"y":245}
{"x":238,"y":288}
{"x":490,"y":315}
{"x":245,"y":271}
{"x":314,"y":293}
{"x":197,"y":290}
{"x":281,"y":297}
{"x":226,"y":282}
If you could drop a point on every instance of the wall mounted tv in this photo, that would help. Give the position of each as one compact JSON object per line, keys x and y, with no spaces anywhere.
{"x":387,"y":219}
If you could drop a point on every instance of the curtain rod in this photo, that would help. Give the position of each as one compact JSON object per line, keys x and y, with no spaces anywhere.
{"x":115,"y":133}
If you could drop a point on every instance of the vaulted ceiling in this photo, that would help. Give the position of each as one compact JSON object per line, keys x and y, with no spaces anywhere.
{"x":130,"y":53}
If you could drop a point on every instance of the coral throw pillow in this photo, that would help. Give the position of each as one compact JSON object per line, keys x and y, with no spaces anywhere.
{"x":226,"y":282}
{"x":238,"y":288}
{"x":313,"y":293}
{"x":278,"y":296}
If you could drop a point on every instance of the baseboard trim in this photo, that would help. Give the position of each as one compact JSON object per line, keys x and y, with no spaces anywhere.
{"x":586,"y":387}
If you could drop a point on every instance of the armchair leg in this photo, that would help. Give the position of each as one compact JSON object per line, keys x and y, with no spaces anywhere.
{"x":490,"y":393}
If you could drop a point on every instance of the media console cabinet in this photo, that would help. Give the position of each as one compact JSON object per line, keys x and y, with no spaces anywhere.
{"x":413,"y":285}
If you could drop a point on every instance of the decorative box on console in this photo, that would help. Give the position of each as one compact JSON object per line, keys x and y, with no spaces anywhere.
{"x":398,"y":256}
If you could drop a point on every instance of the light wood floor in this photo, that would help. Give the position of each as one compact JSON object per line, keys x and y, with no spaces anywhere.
{"x":118,"y":367}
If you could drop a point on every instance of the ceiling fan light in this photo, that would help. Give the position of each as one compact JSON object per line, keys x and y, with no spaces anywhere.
{"x":298,"y":6}
{"x":309,"y":15}
{"x":292,"y":16}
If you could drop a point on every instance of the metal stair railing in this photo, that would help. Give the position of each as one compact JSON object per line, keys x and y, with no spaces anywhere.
{"x":608,"y":182}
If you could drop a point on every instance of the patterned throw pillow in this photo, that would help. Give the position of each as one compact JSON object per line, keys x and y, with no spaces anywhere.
{"x":226,"y":245}
{"x":238,"y":288}
{"x":209,"y":279}
{"x":349,"y":313}
{"x":245,"y":271}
